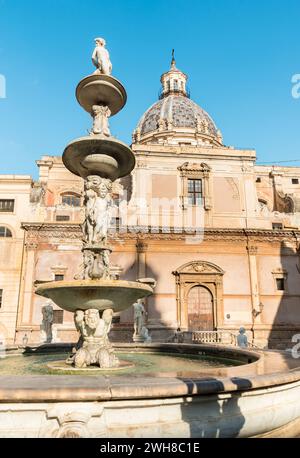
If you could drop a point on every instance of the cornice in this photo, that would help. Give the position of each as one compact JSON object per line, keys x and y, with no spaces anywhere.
{"x":42,"y":231}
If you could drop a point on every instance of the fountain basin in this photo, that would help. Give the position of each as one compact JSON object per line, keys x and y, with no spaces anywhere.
{"x":260,"y":399}
{"x":94,"y":294}
{"x":102,"y":90}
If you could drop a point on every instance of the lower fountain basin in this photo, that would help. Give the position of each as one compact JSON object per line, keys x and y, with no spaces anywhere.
{"x":94,"y":294}
{"x":256,"y":399}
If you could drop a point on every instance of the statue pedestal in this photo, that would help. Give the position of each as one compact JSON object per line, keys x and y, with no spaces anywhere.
{"x":138,"y":338}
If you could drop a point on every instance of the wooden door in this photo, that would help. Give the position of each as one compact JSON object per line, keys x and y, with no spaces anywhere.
{"x":200,"y":309}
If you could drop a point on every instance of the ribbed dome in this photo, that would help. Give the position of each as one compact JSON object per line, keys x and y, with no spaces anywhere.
{"x":178,"y":110}
{"x":175,"y":119}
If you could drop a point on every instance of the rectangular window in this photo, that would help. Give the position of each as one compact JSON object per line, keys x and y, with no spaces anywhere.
{"x":280,"y":284}
{"x":115,"y":223}
{"x":1,"y":295}
{"x":295,"y":181}
{"x":58,"y":316}
{"x":7,"y":205}
{"x":58,"y":277}
{"x":258,"y":180}
{"x":194,"y":192}
{"x":277,"y":226}
{"x":62,"y":218}
{"x":73,"y":201}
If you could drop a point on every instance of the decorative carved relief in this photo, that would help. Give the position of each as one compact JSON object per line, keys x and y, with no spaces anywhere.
{"x":74,"y":423}
{"x":252,"y":250}
{"x":189,"y":168}
{"x":199,"y":267}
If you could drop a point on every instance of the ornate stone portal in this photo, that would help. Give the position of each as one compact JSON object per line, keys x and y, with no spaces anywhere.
{"x":99,"y":159}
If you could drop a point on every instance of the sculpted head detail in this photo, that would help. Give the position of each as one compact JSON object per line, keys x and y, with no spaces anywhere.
{"x":92,"y":318}
{"x":103,"y":190}
{"x":100,"y":41}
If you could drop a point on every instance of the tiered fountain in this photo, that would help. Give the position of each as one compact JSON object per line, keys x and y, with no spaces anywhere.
{"x":165,"y":396}
{"x":99,"y":159}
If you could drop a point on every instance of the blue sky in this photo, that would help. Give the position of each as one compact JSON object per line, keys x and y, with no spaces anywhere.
{"x":240,"y":56}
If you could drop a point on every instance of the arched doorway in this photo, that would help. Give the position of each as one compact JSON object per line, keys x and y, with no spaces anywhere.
{"x":199,"y":294}
{"x":200,"y":309}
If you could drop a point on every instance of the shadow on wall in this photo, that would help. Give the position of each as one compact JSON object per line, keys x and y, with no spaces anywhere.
{"x":286,"y":322}
{"x":212,"y":416}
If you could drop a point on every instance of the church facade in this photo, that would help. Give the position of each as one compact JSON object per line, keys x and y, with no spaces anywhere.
{"x":218,"y":233}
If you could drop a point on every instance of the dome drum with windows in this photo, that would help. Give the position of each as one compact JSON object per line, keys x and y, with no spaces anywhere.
{"x":175,"y":118}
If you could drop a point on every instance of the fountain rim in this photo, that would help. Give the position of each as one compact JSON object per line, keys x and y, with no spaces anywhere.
{"x":93,"y":284}
{"x":73,"y":156}
{"x":64,"y":388}
{"x":108,"y":80}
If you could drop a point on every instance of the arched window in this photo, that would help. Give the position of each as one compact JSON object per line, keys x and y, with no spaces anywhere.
{"x":71,"y":199}
{"x":5,"y":232}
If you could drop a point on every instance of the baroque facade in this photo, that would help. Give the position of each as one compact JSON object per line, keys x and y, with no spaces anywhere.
{"x":219,"y":233}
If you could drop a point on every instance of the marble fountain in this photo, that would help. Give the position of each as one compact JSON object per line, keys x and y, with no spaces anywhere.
{"x":133,"y":390}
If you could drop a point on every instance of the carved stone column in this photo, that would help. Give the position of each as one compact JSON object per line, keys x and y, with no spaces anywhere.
{"x":255,"y":299}
{"x":28,"y":288}
{"x":141,"y":248}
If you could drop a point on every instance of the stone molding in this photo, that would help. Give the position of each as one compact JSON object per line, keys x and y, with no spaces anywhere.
{"x":37,"y":232}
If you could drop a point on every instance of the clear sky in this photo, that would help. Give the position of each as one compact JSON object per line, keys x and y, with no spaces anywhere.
{"x":240,"y":56}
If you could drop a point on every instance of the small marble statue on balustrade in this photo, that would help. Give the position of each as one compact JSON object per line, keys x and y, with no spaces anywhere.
{"x":46,"y":327}
{"x":242,"y":339}
{"x":139,"y":313}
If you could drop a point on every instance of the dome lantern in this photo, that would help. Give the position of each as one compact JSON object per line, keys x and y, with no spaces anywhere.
{"x":173,"y":81}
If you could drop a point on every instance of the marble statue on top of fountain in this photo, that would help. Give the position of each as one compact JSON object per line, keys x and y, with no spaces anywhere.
{"x":100,"y":58}
{"x":96,"y":348}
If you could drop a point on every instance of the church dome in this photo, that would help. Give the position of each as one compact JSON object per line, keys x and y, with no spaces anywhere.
{"x":179,"y":111}
{"x":175,"y":118}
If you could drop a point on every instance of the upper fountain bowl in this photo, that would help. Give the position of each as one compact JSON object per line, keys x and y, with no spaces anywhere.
{"x":98,"y":155}
{"x":101,"y":90}
{"x":94,"y":294}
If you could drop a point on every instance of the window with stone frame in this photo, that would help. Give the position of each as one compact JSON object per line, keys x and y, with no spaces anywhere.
{"x":1,"y":296}
{"x":62,"y":218}
{"x":194,"y":191}
{"x":7,"y":205}
{"x":195,"y":185}
{"x":280,"y":283}
{"x":5,"y":232}
{"x":71,"y":199}
{"x":280,"y":280}
{"x":277,"y":226}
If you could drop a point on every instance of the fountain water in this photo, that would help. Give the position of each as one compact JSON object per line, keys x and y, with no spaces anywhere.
{"x":99,"y":159}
